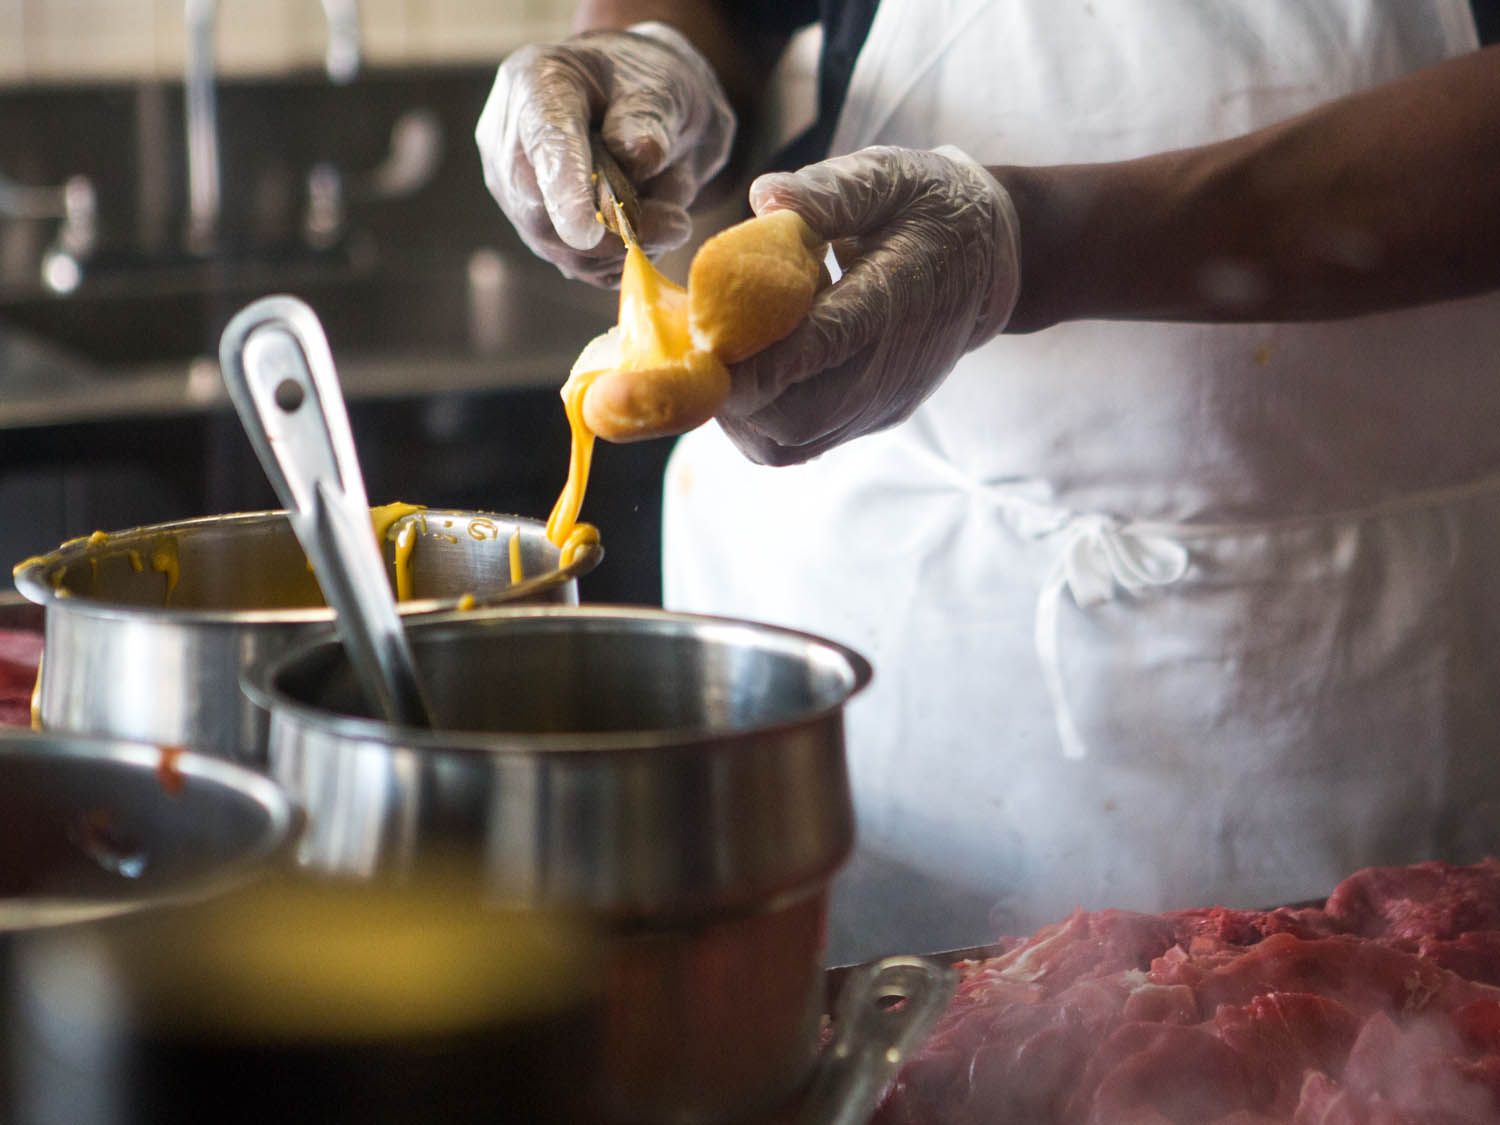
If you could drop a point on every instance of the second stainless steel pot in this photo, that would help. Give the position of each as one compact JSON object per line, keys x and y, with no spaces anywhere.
{"x":149,"y":630}
{"x":681,"y":780}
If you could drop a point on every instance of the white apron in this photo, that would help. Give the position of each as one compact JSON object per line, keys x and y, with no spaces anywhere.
{"x":1160,"y":614}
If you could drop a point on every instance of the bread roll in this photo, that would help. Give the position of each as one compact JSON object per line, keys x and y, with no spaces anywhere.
{"x":751,"y":284}
{"x":661,"y":370}
{"x":626,"y":404}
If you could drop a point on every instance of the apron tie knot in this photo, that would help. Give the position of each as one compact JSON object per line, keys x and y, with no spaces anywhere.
{"x":1099,"y":556}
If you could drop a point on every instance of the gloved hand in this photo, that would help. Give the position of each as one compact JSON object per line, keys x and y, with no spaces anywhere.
{"x":662,"y":113}
{"x":928,"y":243}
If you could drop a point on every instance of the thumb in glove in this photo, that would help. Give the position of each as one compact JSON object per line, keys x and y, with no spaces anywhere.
{"x":928,"y":242}
{"x":661,"y":112}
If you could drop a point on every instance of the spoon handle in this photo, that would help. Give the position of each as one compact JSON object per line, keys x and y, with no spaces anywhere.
{"x":884,"y":1014}
{"x":280,"y":375}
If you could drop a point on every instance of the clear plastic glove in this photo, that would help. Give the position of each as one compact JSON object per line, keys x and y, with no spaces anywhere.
{"x":928,"y":243}
{"x":661,"y":112}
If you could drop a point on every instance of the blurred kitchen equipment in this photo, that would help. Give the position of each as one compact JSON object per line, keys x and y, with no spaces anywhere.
{"x":681,"y":779}
{"x":21,"y":625}
{"x":281,"y":378}
{"x":201,"y":105}
{"x":92,"y":828}
{"x":416,"y":150}
{"x":96,"y":827}
{"x":124,"y":658}
{"x":885,"y":1012}
{"x":75,"y":205}
{"x":300,"y":1002}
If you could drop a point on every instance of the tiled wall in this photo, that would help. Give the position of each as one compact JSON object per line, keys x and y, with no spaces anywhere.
{"x":76,"y":40}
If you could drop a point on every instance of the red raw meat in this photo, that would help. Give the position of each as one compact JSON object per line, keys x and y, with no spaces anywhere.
{"x":21,"y":648}
{"x":1144,"y":1071}
{"x":1088,"y":945}
{"x":20,"y":656}
{"x":1364,"y":976}
{"x":1474,"y":956}
{"x":1219,"y":926}
{"x":1282,"y":1036}
{"x":1415,"y":1070}
{"x":1375,"y":1011}
{"x":1425,"y":900}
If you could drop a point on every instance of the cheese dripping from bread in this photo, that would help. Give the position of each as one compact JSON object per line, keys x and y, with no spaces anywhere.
{"x":661,"y":369}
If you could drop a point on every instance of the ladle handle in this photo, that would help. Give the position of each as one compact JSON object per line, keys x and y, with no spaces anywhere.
{"x":280,"y":375}
{"x":885,"y":1011}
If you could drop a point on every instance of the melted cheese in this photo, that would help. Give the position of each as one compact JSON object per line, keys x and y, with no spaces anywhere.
{"x":653,"y":315}
{"x":579,"y":540}
{"x":564,"y":517}
{"x":382,"y":519}
{"x":36,"y":694}
{"x":652,"y":332}
{"x":97,"y":539}
{"x":517,"y":573}
{"x":406,"y":540}
{"x":164,"y":561}
{"x":481,"y":529}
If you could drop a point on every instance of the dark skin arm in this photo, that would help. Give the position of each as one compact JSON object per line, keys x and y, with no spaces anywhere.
{"x":1386,"y":198}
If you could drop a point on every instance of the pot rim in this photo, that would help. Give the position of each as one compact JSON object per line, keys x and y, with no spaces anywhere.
{"x":31,"y":576}
{"x":285,"y":821}
{"x":259,"y":683}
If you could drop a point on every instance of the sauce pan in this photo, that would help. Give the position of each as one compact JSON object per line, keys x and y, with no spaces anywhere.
{"x":679,"y":780}
{"x":149,"y":630}
{"x":96,"y":828}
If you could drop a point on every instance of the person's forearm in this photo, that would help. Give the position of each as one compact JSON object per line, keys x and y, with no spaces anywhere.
{"x":742,"y":57}
{"x":1386,"y":198}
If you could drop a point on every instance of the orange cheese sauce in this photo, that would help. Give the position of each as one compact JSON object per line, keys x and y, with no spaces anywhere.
{"x":164,"y":561}
{"x":406,"y":542}
{"x":169,"y":771}
{"x":517,"y":572}
{"x":382,"y":519}
{"x":653,"y":331}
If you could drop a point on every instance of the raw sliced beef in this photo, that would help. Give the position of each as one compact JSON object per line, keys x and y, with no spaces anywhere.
{"x":1425,"y":900}
{"x":20,"y":656}
{"x":1378,"y":1009}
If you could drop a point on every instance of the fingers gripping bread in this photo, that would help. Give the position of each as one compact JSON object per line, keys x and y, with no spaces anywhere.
{"x":661,"y":369}
{"x":748,"y":287}
{"x":647,"y":402}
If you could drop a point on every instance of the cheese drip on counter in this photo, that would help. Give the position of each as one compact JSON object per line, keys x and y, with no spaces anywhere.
{"x":652,"y":332}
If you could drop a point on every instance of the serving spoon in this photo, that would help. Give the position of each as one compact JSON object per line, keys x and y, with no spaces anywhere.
{"x":280,"y":375}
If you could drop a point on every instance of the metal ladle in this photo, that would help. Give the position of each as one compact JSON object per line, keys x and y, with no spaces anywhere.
{"x":885,"y":1012}
{"x":280,"y":374}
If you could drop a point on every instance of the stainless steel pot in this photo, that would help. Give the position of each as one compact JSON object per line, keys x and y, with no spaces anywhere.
{"x":96,"y":828}
{"x":681,"y":780}
{"x":306,"y":1002}
{"x":149,"y":630}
